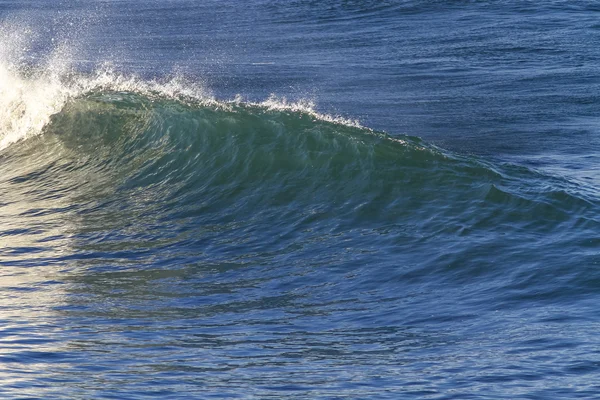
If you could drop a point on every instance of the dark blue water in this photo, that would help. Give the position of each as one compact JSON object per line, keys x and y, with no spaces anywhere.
{"x":302,"y":199}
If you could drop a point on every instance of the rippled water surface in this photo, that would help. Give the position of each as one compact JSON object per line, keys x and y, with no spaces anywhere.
{"x":303,"y":199}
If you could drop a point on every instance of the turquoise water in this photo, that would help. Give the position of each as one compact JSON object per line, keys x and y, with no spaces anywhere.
{"x":299,"y":200}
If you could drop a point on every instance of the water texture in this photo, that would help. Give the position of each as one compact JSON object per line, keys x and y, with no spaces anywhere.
{"x":304,"y":199}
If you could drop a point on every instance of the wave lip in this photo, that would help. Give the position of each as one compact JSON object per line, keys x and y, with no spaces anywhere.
{"x":26,"y":105}
{"x":29,"y":99}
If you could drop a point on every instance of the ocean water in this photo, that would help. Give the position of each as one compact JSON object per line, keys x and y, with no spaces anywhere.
{"x":299,"y":199}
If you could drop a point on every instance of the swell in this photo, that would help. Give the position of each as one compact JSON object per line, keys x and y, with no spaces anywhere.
{"x":273,"y":154}
{"x":138,"y":180}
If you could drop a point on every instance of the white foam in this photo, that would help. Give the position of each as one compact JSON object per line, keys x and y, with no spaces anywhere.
{"x":29,"y":96}
{"x":307,"y":107}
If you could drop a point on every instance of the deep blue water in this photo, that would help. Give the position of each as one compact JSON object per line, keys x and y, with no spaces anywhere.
{"x":301,"y":199}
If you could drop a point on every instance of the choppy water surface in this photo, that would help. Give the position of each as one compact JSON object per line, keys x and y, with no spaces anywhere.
{"x":183,"y":214}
